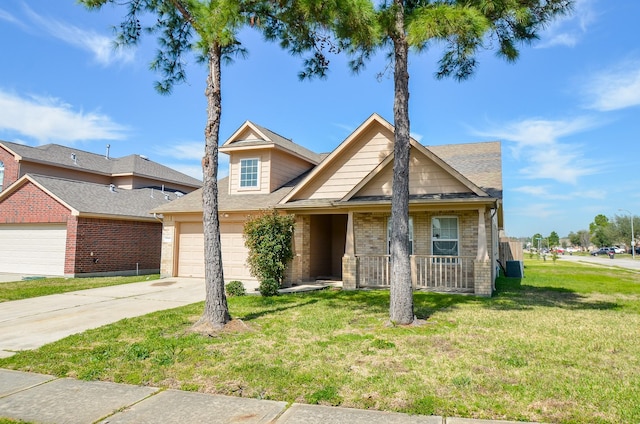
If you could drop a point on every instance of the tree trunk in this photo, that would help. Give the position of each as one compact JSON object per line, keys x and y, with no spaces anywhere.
{"x":401,"y":302}
{"x":216,"y":311}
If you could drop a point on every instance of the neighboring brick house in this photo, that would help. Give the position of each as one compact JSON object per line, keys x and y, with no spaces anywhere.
{"x":342,"y":204}
{"x":69,"y":212}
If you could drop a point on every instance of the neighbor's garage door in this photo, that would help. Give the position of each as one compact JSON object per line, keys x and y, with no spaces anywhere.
{"x":191,"y":251}
{"x":33,"y":249}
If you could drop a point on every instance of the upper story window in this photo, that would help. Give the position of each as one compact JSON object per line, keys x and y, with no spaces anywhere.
{"x":410,"y":236}
{"x":444,"y":236}
{"x":1,"y":175}
{"x":248,"y":173}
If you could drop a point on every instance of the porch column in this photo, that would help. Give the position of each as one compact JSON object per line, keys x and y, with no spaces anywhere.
{"x":483,"y":255}
{"x":349,"y":260}
{"x":482,"y":265}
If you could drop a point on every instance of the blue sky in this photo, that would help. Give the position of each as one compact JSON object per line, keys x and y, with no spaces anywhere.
{"x":567,"y":112}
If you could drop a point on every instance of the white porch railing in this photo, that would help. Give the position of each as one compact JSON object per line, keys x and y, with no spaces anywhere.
{"x":442,"y":273}
{"x":373,"y":270}
{"x":428,"y":272}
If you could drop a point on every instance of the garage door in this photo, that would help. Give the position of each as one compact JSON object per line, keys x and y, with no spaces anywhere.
{"x":33,"y":249}
{"x":191,"y":251}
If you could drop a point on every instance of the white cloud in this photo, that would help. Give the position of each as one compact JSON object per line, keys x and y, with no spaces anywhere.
{"x":48,"y":119}
{"x":532,"y":190}
{"x":194,"y":171}
{"x":545,"y":193}
{"x":536,"y":210}
{"x":568,"y":30}
{"x":6,"y":16}
{"x":190,"y":150}
{"x":615,"y":88}
{"x":536,"y":143}
{"x":102,"y":48}
{"x":537,"y":131}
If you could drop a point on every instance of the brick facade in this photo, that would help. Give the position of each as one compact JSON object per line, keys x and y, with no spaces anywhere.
{"x":30,"y":205}
{"x":370,"y":231}
{"x":104,"y":246}
{"x":299,"y":269}
{"x":94,"y":246}
{"x":11,"y":168}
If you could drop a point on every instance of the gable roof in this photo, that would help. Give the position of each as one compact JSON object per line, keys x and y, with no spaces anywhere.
{"x":89,"y":199}
{"x":480,"y":162}
{"x":192,"y":202}
{"x":267,"y":139}
{"x":63,"y":156}
{"x":475,"y":167}
{"x":457,"y":158}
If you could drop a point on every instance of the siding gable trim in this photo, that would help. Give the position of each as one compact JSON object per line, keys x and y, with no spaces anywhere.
{"x":353,"y":137}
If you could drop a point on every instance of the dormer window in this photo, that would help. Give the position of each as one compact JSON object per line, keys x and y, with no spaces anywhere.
{"x":249,"y":173}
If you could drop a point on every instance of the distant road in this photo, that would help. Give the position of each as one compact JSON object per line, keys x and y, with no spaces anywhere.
{"x":603,"y":260}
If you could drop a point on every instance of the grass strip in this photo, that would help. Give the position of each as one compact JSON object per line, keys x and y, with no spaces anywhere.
{"x":559,"y":345}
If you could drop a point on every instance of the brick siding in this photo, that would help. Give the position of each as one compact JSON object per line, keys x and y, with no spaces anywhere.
{"x":109,"y":245}
{"x":11,"y":168}
{"x":30,"y":205}
{"x":117,"y":245}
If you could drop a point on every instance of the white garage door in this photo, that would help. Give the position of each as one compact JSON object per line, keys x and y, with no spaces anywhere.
{"x":33,"y":249}
{"x":191,"y":251}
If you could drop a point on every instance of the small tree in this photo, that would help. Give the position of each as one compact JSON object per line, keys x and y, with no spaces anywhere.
{"x":269,"y":240}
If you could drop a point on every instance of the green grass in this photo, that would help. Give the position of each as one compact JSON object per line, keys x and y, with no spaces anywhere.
{"x":560,"y":345}
{"x":45,"y":286}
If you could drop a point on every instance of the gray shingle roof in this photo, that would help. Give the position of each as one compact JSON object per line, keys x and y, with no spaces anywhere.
{"x":98,"y":199}
{"x":282,"y":142}
{"x":192,"y":202}
{"x":55,"y":154}
{"x":481,"y":163}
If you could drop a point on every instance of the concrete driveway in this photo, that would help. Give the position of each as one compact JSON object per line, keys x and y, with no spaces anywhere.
{"x":31,"y":323}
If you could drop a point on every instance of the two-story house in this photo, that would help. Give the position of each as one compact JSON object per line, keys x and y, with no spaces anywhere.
{"x":342,"y":204}
{"x":65,"y":211}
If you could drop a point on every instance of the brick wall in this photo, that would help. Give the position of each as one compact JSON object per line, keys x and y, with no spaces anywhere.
{"x":108,"y":246}
{"x":300,"y":266}
{"x":370,"y":231}
{"x":11,"y":168}
{"x":29,"y":205}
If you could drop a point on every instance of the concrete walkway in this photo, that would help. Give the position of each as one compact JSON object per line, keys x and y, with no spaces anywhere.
{"x":38,"y":398}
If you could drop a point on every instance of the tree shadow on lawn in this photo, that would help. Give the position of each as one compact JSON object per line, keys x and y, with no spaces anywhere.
{"x":512,"y":294}
{"x":279,"y":308}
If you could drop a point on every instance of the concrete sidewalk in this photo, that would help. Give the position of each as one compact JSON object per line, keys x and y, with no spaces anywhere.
{"x":38,"y":398}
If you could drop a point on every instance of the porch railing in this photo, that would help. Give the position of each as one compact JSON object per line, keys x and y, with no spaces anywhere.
{"x":428,"y":272}
{"x":373,"y":270}
{"x":442,"y":273}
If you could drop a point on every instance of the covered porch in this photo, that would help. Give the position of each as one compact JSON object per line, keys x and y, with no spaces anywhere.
{"x":471,"y":270}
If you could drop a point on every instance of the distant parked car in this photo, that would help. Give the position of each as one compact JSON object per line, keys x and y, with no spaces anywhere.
{"x":617,"y":249}
{"x":603,"y":251}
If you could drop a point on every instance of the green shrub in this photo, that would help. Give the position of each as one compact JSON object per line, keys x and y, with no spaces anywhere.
{"x":235,"y":288}
{"x":269,"y":240}
{"x":269,"y":287}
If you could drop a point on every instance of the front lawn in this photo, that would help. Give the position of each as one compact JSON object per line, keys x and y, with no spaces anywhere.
{"x":560,"y":345}
{"x":45,"y":286}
